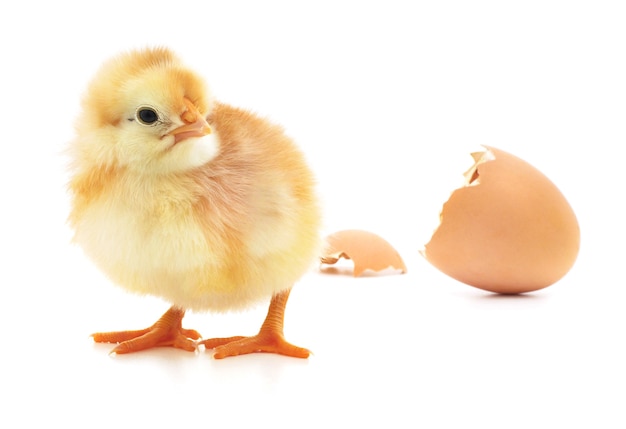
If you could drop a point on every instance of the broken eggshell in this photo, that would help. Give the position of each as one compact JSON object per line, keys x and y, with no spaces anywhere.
{"x":509,"y":230}
{"x":367,"y":251}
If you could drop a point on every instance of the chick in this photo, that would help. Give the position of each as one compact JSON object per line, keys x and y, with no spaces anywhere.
{"x":178,"y":196}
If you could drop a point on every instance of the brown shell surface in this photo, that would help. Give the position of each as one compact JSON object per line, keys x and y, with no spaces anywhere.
{"x":512,"y":232}
{"x":366,"y":250}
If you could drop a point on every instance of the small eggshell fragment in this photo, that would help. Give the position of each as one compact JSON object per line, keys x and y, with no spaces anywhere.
{"x":366,"y":249}
{"x":509,"y":230}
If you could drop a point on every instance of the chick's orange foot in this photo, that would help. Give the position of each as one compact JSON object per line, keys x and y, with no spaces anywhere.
{"x":270,"y":338}
{"x":166,"y":332}
{"x":264,"y":342}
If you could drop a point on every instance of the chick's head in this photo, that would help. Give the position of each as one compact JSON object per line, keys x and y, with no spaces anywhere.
{"x":146,"y":111}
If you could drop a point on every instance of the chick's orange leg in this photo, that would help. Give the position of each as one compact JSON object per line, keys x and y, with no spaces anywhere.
{"x":166,"y":332}
{"x":270,"y":338}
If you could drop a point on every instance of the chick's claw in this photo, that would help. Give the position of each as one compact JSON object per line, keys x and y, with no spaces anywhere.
{"x":166,"y":332}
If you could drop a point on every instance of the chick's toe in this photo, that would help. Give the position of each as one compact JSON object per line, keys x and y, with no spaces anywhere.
{"x":166,"y":332}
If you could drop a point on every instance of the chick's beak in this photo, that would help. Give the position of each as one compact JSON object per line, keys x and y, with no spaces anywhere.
{"x":195,"y":124}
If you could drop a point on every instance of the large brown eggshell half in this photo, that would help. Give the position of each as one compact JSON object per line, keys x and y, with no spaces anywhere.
{"x":509,"y":230}
{"x":367,"y":251}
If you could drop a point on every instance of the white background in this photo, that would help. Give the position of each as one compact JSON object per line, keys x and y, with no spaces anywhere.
{"x":387,"y":99}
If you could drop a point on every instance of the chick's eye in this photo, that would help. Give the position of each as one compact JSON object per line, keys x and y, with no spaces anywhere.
{"x":147,"y":116}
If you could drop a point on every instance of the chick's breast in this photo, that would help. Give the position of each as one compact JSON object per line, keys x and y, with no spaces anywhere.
{"x":222,"y":236}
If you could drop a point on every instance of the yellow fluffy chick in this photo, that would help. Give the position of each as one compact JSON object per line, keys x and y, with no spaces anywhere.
{"x":179,"y":196}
